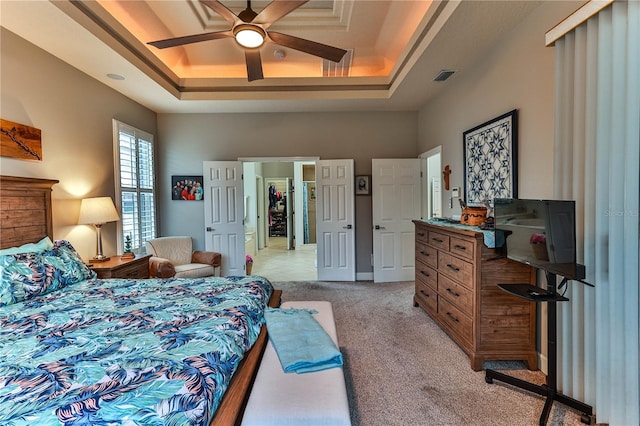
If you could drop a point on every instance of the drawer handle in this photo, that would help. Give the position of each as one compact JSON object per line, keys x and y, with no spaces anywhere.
{"x":452,"y":317}
{"x":438,"y":240}
{"x":424,"y":253}
{"x":424,"y":273}
{"x":421,"y":234}
{"x":457,"y":247}
{"x":453,"y":292}
{"x":450,"y":266}
{"x":425,"y":294}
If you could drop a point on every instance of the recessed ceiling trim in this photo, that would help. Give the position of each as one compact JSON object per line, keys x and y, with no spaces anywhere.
{"x":95,"y":19}
{"x":423,"y":39}
{"x":330,"y":16}
{"x":280,"y":94}
{"x":309,"y":88}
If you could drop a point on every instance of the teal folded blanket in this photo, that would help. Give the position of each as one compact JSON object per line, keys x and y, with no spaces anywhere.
{"x":300,"y":341}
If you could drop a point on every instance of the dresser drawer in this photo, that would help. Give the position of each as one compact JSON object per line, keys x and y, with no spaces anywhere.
{"x":439,"y":240}
{"x":427,"y":275}
{"x":459,"y":296}
{"x":427,"y":298}
{"x":426,"y":254}
{"x":462,"y":247}
{"x":458,"y":269}
{"x":455,"y":319}
{"x":139,"y":270}
{"x":421,"y":234}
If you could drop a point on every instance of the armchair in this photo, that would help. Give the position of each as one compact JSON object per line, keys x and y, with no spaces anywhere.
{"x":174,"y":256}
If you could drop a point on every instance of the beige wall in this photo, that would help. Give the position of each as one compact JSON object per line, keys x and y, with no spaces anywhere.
{"x":518,"y":73}
{"x":188,"y":139}
{"x":74,"y":113}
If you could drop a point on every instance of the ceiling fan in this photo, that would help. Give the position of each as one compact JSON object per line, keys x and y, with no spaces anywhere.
{"x":250,"y":31}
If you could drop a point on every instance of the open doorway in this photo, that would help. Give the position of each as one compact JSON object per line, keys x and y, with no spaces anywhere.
{"x":280,"y":219}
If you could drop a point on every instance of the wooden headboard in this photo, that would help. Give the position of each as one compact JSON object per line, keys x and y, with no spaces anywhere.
{"x":25,"y":210}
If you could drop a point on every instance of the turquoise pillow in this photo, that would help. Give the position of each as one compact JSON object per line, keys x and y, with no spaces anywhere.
{"x":11,"y":272}
{"x":42,"y":245}
{"x":27,"y":275}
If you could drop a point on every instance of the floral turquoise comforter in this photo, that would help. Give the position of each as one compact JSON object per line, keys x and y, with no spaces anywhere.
{"x":127,"y":352}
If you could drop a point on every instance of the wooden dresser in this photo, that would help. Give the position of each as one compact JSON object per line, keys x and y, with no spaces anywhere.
{"x":456,"y":284}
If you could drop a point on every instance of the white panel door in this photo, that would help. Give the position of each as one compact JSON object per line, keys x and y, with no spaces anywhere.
{"x":335,"y":220}
{"x":396,"y":201}
{"x":224,"y":214}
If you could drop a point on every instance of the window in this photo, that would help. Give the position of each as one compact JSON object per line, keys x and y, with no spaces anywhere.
{"x":135,"y":185}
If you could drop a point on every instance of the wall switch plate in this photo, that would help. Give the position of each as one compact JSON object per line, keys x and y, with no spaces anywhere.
{"x":455,"y":192}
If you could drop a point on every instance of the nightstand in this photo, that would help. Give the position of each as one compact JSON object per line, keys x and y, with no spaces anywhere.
{"x":116,"y":267}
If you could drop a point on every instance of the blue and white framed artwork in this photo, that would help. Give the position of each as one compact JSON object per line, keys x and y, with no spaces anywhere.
{"x":490,"y":160}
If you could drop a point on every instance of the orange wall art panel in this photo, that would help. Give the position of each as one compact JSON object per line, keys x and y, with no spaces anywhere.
{"x":20,"y":141}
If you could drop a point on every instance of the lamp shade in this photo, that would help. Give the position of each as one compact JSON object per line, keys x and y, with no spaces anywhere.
{"x":96,"y":211}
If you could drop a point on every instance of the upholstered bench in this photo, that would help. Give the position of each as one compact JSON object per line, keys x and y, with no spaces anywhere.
{"x":318,"y":398}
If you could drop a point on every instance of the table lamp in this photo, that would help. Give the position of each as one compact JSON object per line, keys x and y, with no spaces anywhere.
{"x":98,"y":211}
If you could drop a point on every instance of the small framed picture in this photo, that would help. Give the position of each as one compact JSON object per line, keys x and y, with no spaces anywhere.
{"x":187,"y":188}
{"x":363,"y":185}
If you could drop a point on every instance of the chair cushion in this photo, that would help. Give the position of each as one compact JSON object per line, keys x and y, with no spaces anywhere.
{"x":176,"y":249}
{"x":194,"y":270}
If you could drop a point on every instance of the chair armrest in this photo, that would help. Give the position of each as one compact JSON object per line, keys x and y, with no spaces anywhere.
{"x":160,"y":267}
{"x":207,"y":257}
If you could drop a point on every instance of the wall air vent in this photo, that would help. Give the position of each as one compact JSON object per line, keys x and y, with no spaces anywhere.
{"x":341,"y":69}
{"x":443,"y":75}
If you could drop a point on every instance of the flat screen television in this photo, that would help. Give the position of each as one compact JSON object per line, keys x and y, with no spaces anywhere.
{"x":540,"y":233}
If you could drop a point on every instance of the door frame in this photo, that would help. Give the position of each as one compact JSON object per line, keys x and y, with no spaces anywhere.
{"x":426,"y":172}
{"x":294,"y":160}
{"x":298,"y":182}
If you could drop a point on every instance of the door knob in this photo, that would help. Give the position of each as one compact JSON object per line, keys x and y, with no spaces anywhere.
{"x":347,"y":227}
{"x":210,"y":229}
{"x":380,"y":227}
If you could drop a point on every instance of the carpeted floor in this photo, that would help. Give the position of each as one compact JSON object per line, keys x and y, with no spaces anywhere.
{"x":402,"y":369}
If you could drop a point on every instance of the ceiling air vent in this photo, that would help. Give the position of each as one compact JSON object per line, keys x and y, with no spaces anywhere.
{"x":443,"y":75}
{"x":340,"y":69}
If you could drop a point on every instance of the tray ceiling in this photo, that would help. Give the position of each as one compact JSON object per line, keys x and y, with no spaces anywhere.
{"x":397,"y":49}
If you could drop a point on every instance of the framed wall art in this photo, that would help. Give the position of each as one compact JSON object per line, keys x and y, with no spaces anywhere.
{"x":187,"y":188}
{"x":363,"y":185}
{"x":490,"y":160}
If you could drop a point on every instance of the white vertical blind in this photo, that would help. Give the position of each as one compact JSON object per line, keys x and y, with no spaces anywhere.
{"x":597,"y":163}
{"x":135,"y":183}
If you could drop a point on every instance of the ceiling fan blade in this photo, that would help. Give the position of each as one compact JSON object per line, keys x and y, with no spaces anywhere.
{"x":179,"y":41}
{"x":311,"y":47}
{"x":222,"y":10}
{"x":276,"y":10}
{"x":254,"y":64}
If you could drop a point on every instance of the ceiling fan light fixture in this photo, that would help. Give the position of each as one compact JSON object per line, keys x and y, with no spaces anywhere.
{"x":250,"y":36}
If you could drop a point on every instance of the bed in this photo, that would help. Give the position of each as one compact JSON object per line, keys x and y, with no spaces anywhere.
{"x":117,"y":351}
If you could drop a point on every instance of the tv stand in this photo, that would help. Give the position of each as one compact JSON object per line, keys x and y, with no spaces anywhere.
{"x":550,"y":390}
